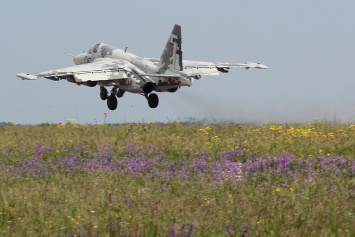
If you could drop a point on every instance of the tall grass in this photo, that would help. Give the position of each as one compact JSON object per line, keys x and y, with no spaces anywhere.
{"x":177,"y":180}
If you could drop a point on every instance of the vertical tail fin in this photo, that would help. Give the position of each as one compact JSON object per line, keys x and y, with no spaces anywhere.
{"x":172,"y":54}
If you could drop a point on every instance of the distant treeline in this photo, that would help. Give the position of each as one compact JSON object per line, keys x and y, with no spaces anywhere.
{"x":7,"y":124}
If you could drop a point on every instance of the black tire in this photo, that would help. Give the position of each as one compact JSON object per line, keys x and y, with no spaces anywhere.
{"x":153,"y":100}
{"x":103,"y":93}
{"x":112,"y":102}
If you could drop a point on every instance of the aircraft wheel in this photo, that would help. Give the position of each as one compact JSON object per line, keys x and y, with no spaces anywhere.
{"x":103,"y":93}
{"x":153,"y":100}
{"x":112,"y":102}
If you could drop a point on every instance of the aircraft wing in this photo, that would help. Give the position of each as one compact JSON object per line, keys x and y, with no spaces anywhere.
{"x":172,"y":76}
{"x":209,"y":68}
{"x":98,"y":70}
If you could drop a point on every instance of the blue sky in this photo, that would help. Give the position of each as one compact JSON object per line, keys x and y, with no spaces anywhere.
{"x":308,"y":46}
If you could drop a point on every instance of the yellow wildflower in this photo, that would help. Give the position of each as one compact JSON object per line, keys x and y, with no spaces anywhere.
{"x":207,"y":201}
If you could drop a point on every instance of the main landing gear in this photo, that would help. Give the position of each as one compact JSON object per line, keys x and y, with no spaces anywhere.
{"x":153,"y":99}
{"x":112,"y":102}
{"x":103,"y":93}
{"x":111,"y":99}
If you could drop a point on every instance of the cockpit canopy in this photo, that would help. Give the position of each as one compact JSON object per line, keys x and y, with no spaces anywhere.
{"x":99,"y":50}
{"x":94,"y":48}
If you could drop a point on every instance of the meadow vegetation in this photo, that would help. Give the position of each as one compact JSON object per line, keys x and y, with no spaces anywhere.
{"x":177,"y":179}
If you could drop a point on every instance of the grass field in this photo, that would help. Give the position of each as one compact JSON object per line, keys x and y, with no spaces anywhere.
{"x":177,"y":180}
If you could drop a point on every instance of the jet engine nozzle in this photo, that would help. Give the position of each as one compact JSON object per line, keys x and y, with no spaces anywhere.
{"x":148,"y":87}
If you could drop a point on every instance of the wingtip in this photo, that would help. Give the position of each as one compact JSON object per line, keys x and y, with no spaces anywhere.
{"x":26,"y":76}
{"x":256,"y":65}
{"x":262,"y":66}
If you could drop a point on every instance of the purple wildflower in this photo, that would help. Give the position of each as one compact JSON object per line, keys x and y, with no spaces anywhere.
{"x":81,"y":231}
{"x":352,"y":167}
{"x":41,"y":148}
{"x":191,"y":230}
{"x":182,"y":229}
{"x":283,"y":163}
{"x":245,"y":231}
{"x":172,"y":231}
{"x":230,"y":231}
{"x":199,"y":164}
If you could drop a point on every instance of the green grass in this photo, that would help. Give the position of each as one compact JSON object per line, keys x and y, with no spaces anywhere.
{"x":101,"y":202}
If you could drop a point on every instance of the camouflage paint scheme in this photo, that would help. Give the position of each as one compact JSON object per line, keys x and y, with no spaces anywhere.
{"x":105,"y":65}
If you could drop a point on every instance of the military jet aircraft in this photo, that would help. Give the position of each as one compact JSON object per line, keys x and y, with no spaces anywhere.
{"x":106,"y":66}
